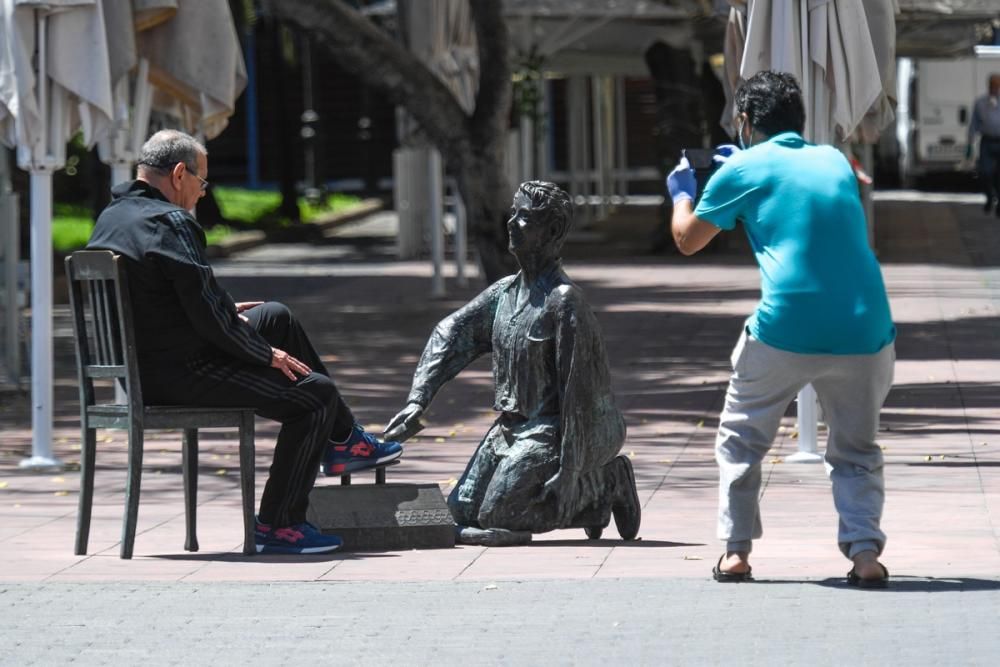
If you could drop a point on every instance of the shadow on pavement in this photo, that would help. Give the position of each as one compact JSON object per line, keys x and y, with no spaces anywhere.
{"x":612,"y":542}
{"x":919,"y":585}
{"x":229,"y":557}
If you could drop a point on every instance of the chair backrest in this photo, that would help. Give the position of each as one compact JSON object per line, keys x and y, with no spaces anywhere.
{"x":102,"y":324}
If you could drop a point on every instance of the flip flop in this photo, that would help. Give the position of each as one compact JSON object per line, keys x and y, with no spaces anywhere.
{"x":881,"y":582}
{"x":730,"y":577}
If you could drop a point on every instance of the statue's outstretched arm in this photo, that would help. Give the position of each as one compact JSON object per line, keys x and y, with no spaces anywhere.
{"x":456,"y":342}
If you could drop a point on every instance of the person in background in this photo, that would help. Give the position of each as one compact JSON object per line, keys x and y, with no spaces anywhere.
{"x":823,"y":318}
{"x":196,"y":346}
{"x":985,"y":122}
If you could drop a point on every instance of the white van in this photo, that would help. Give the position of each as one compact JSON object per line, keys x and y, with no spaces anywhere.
{"x":934,"y":109}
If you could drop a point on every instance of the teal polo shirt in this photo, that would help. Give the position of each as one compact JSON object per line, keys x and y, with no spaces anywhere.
{"x":821,"y":286}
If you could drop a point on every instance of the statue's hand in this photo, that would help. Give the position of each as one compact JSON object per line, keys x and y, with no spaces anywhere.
{"x":562,"y":488}
{"x":405,"y":424}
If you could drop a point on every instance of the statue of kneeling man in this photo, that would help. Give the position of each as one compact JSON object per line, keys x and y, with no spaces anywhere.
{"x":551,"y":459}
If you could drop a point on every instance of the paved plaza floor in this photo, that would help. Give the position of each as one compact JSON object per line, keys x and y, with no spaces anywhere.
{"x":669,"y":324}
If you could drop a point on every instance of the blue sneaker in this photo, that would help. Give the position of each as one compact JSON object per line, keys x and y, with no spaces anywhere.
{"x":302,"y":538}
{"x":361,"y":451}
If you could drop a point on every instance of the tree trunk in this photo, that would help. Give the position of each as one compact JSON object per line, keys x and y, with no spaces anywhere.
{"x":483,"y":186}
{"x":472,"y":146}
{"x":286,"y":127}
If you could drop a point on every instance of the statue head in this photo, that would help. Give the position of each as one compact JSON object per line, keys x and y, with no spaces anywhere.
{"x":546,"y":206}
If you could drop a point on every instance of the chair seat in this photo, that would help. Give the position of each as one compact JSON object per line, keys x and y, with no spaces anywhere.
{"x":115,"y":415}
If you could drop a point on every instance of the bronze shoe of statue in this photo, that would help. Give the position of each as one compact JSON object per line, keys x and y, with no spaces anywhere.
{"x":626,"y":508}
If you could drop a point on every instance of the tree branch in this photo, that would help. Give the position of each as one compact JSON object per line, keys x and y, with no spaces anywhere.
{"x":370,"y":54}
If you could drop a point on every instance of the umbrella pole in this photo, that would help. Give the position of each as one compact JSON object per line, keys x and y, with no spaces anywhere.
{"x":11,"y":355}
{"x":41,"y":270}
{"x":461,"y":239}
{"x":41,"y":323}
{"x":434,"y":209}
{"x":120,"y":172}
{"x":808,"y":418}
{"x":808,"y":451}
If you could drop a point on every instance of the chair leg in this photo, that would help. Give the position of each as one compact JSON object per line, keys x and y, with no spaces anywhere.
{"x":189,"y":463}
{"x":88,"y":451}
{"x":247,"y":482}
{"x":135,"y":444}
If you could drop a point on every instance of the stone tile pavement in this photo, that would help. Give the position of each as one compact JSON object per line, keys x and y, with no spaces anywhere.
{"x":669,"y":324}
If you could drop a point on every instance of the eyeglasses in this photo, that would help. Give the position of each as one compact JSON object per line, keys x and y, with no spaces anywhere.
{"x":204,"y":183}
{"x":165,"y":168}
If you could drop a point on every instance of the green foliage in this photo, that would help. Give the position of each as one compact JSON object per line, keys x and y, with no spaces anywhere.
{"x":72,"y":224}
{"x":528,"y":80}
{"x":71,"y":227}
{"x":252,"y":206}
{"x":245,"y":205}
{"x":334,"y":203}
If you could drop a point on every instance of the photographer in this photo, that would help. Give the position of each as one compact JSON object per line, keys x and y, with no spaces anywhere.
{"x":823,"y":318}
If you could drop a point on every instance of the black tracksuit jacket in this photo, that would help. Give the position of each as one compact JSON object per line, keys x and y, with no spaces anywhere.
{"x":180,"y":311}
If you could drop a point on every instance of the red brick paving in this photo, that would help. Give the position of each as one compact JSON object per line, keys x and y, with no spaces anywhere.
{"x":669,"y":323}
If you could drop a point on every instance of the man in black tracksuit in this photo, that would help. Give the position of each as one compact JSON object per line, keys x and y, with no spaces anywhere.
{"x":196,"y":346}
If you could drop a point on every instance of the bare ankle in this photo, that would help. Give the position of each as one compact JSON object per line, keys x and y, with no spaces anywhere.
{"x":736,"y":561}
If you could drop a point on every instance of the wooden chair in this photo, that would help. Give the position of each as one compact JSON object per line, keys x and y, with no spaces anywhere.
{"x":105,"y":348}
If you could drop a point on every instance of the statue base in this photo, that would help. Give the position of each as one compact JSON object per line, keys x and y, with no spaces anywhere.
{"x":383,"y":517}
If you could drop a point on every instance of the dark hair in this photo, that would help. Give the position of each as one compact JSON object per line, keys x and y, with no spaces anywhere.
{"x":556,"y":204}
{"x":773,"y":103}
{"x":168,"y":147}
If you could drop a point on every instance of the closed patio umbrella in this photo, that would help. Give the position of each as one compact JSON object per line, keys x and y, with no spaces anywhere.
{"x":54,"y":81}
{"x":181,"y":57}
{"x":195,"y":64}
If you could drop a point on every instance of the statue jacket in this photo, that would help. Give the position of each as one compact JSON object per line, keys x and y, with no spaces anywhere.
{"x":549,"y":364}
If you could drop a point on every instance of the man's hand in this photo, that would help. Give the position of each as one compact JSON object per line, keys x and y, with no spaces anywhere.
{"x":563,"y":487}
{"x":288,"y":364}
{"x":404,"y":424}
{"x":246,"y":305}
{"x":680,"y":182}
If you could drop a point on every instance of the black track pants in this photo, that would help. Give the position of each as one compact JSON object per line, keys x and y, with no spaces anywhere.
{"x":309,"y":409}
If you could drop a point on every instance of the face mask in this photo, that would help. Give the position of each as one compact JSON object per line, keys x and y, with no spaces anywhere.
{"x":739,"y":135}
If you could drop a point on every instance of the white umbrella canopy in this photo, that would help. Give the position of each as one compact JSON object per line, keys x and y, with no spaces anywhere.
{"x":181,"y":57}
{"x":130,"y":80}
{"x":195,"y":62}
{"x":72,"y":94}
{"x":846,"y":70}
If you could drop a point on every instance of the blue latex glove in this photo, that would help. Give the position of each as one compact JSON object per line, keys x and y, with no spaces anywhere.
{"x":680,"y":182}
{"x":723,"y":152}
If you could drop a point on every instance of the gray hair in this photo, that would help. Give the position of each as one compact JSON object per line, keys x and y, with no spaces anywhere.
{"x":168,"y":147}
{"x":556,"y":204}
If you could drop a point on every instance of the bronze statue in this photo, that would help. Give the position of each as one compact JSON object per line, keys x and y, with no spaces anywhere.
{"x":551,"y":458}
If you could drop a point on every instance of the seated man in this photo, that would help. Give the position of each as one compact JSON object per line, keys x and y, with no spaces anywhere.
{"x":549,"y":461}
{"x":197,"y":347}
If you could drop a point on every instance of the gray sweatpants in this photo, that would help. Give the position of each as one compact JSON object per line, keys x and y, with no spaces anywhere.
{"x":851,"y":390}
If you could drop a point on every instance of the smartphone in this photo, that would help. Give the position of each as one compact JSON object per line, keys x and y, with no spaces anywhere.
{"x":701,"y":161}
